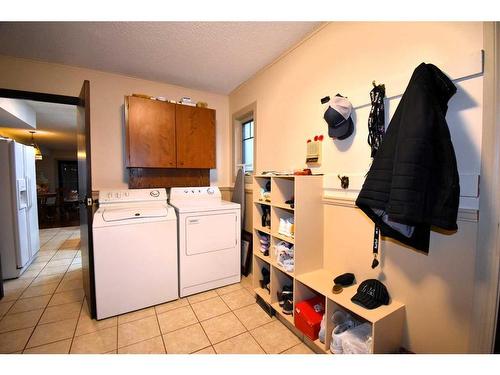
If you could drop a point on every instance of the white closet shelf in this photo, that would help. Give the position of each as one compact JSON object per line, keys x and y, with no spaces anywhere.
{"x":284,"y":238}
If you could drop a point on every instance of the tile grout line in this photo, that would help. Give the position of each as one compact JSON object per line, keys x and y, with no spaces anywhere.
{"x":43,"y":312}
{"x":159,"y":327}
{"x":30,"y":284}
{"x":201,"y":325}
{"x":246,"y":329}
{"x":18,"y":298}
{"x":76,"y":326}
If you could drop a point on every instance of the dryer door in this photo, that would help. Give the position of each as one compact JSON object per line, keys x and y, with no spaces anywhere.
{"x":209,"y":233}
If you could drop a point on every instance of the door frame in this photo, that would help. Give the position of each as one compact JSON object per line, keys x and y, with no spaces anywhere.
{"x":487,"y":269}
{"x":69,"y":100}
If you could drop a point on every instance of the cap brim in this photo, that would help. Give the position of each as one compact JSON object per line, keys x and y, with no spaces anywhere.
{"x":342,"y":130}
{"x":366,"y":301}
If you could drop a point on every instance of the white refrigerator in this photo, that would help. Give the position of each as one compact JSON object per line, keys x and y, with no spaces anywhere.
{"x":19,"y":236}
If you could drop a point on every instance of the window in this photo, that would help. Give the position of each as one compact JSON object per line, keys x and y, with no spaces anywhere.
{"x":244,"y":141}
{"x":247,"y":140}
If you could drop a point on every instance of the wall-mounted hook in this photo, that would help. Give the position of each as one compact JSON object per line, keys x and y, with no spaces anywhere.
{"x":344,"y":181}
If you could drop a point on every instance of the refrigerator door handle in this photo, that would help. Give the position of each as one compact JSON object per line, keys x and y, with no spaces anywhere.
{"x":28,"y":192}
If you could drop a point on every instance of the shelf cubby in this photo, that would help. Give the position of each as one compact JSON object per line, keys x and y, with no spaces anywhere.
{"x":273,"y":253}
{"x":282,"y":190}
{"x":258,"y":235}
{"x":259,"y":184}
{"x":258,"y":265}
{"x":258,"y":211}
{"x":277,"y":214}
{"x":278,"y":280}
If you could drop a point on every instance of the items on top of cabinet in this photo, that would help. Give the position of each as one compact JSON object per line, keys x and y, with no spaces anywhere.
{"x":371,"y":294}
{"x":186,"y":100}
{"x":341,"y":281}
{"x":338,"y":117}
{"x":302,"y":172}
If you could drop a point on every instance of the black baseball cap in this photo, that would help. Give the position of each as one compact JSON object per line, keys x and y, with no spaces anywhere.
{"x":371,"y":294}
{"x":345,"y":279}
{"x":338,"y":117}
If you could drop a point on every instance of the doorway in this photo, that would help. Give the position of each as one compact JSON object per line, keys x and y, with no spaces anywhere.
{"x":81,"y":105}
{"x":50,"y":128}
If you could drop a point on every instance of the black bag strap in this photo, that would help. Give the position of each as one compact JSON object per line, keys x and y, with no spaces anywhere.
{"x":376,"y":131}
{"x":376,"y":243}
{"x":376,"y":119}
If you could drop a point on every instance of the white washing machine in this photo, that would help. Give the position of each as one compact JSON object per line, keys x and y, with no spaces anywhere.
{"x":135,"y":251}
{"x":209,"y":239}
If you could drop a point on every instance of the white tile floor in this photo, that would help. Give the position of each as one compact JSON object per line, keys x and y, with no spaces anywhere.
{"x":44,"y":311}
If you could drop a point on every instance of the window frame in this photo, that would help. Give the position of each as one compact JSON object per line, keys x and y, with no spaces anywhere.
{"x":243,"y":139}
{"x":240,"y":117}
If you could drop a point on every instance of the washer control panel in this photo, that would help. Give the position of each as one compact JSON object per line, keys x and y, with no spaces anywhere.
{"x":132,"y":195}
{"x":198,"y":193}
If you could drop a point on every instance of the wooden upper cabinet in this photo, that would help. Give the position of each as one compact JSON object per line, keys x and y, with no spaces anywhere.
{"x":195,"y":134}
{"x":150,"y":128}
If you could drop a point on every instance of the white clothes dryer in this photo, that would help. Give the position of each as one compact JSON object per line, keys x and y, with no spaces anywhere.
{"x":209,"y":235}
{"x":135,"y":251}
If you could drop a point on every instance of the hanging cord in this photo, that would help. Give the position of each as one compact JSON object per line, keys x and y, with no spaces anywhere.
{"x":376,"y":119}
{"x":376,"y":131}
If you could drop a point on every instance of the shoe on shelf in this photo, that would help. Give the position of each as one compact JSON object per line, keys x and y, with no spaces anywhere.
{"x":266,"y":279}
{"x":288,"y":305}
{"x":282,"y":227}
{"x":287,"y":292}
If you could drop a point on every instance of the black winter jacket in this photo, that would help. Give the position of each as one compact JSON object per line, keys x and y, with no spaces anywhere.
{"x":413,"y":181}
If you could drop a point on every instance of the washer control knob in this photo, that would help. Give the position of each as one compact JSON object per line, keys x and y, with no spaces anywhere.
{"x":154,"y":193}
{"x":210,"y":191}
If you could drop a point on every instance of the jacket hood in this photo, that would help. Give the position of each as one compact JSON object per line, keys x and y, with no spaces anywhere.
{"x":440,"y":87}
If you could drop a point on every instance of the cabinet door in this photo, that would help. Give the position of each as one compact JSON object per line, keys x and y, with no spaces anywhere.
{"x":195,"y":134}
{"x":150,"y":133}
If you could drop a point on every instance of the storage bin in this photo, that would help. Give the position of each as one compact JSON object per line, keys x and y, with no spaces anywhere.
{"x":308,"y":315}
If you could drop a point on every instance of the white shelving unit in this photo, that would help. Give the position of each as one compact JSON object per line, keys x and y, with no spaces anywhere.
{"x":309,"y":277}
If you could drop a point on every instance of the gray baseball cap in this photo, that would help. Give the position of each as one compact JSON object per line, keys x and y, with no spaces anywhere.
{"x":338,"y":117}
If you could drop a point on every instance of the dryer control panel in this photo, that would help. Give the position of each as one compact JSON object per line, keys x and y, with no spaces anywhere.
{"x":132,"y":195}
{"x":195,"y":193}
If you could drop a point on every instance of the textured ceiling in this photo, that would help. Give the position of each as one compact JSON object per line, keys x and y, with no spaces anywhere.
{"x":55,"y":127}
{"x":212,"y":56}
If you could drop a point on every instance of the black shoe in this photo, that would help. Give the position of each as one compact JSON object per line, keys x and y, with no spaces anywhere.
{"x":288,"y":306}
{"x":266,"y":279}
{"x":287,"y":290}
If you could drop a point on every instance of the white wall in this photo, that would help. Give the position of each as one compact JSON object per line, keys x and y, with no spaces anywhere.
{"x":107,"y":93}
{"x":345,"y":58}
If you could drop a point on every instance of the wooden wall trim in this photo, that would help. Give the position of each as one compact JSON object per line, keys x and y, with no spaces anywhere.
{"x":248,"y":190}
{"x":464,"y":214}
